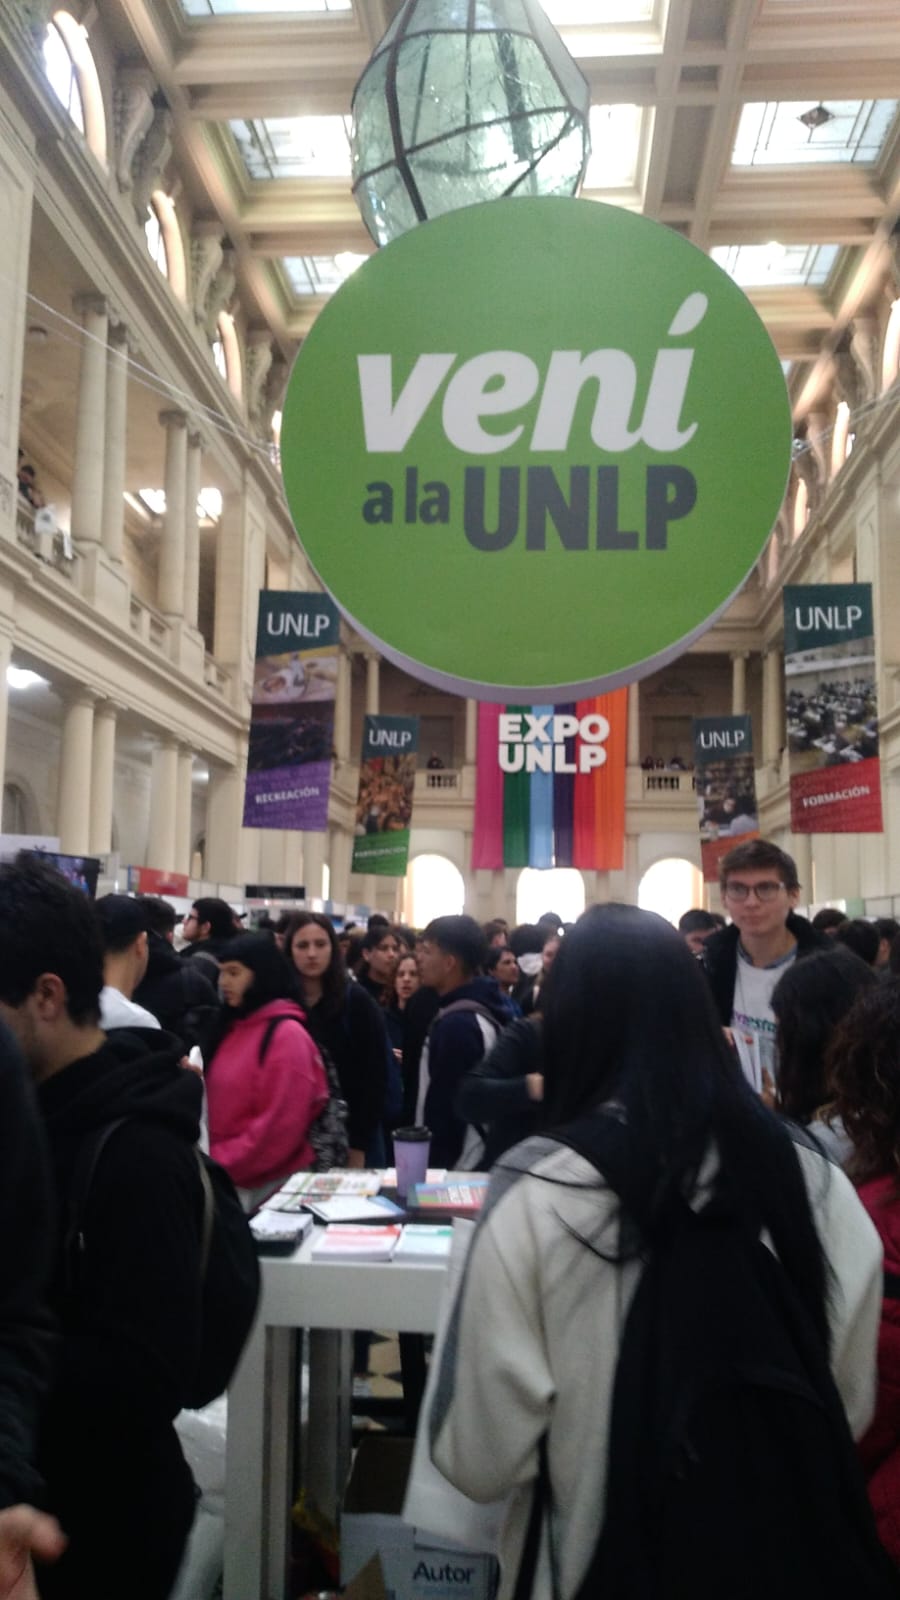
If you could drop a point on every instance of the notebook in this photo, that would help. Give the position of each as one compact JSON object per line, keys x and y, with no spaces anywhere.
{"x":424,"y":1241}
{"x":463,"y":1197}
{"x":346,"y":1208}
{"x":343,"y":1241}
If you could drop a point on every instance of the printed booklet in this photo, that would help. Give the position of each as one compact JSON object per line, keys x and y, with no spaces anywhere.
{"x":342,"y":1241}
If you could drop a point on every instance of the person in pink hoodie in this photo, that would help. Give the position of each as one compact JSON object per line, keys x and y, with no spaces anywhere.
{"x":265,"y":1081}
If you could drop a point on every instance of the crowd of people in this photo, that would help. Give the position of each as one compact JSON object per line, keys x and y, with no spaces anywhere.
{"x":616,"y":1076}
{"x":838,"y":718}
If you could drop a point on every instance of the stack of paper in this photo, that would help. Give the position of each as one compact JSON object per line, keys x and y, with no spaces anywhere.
{"x":338,"y":1181}
{"x":278,"y":1228}
{"x":424,"y":1241}
{"x":343,"y":1241}
{"x":344,"y":1208}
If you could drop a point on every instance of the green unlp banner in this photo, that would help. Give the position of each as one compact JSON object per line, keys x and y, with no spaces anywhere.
{"x":387,"y":779}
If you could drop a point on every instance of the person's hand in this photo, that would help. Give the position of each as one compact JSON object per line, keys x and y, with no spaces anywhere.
{"x":356,"y":1159}
{"x":534,"y":1083}
{"x":729,"y":1038}
{"x":25,"y":1532}
{"x":768,"y":1094}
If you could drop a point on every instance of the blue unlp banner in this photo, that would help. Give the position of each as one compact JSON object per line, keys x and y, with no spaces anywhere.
{"x":292,"y":717}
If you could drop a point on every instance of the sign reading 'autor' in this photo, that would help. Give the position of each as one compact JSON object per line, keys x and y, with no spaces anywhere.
{"x":535,"y":449}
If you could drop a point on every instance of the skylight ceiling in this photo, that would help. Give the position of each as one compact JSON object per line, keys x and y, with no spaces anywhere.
{"x":320,"y":274}
{"x":774,"y":133}
{"x":759,"y":266}
{"x":615,"y":147}
{"x":261,"y":8}
{"x":294,"y":147}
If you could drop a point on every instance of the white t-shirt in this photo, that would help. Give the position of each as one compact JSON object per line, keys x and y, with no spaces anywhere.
{"x":118,"y":1012}
{"x":752,"y":1017}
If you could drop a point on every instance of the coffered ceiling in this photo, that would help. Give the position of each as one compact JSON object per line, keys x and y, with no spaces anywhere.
{"x":766,"y":131}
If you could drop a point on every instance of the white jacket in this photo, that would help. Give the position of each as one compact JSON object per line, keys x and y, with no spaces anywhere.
{"x":534,"y":1339}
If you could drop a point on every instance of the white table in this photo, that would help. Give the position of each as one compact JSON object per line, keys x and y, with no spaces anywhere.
{"x":299,"y":1293}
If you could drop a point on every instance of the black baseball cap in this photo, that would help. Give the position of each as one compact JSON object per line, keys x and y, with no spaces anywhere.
{"x":121,"y":919}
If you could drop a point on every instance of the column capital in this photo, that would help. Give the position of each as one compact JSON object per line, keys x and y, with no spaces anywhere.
{"x":740,"y":655}
{"x":196,"y":440}
{"x":173,"y":419}
{"x":77,"y":694}
{"x":90,"y":301}
{"x":119,"y":335}
{"x":106,"y":707}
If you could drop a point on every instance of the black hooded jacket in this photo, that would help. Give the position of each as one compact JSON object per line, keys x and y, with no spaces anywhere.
{"x":456,"y":1041}
{"x":720,"y":955}
{"x":180,"y":994}
{"x":129,"y":1304}
{"x":25,"y":1323}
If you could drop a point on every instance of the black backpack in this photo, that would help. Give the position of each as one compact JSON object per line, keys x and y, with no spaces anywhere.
{"x":229,"y":1269}
{"x":328,"y":1134}
{"x":732,"y":1473}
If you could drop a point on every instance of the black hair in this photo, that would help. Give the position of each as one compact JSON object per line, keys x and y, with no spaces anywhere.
{"x":377,"y":920}
{"x":272,"y":980}
{"x":810,"y":999}
{"x":376,"y":936}
{"x":493,"y":956}
{"x":756,"y":855}
{"x":161,"y":916}
{"x":460,"y":937}
{"x":697,"y":921}
{"x":492,"y":928}
{"x":887,"y":928}
{"x":334,"y":978}
{"x":47,"y":925}
{"x":526,"y":939}
{"x":670,"y":1088}
{"x":861,"y":937}
{"x":828,"y":917}
{"x":218,"y":914}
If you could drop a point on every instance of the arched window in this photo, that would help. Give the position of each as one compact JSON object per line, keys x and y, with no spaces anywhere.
{"x":671,"y":887}
{"x":156,"y":243}
{"x":72,"y":75}
{"x":15,"y":810}
{"x":840,"y":438}
{"x":227,"y":354}
{"x":434,"y":888}
{"x":559,"y":889}
{"x":801,"y":508}
{"x":890,"y":356}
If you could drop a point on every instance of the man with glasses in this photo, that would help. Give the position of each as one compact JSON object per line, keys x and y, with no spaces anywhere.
{"x":744,"y":962}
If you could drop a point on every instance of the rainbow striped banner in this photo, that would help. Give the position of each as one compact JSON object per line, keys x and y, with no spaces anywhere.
{"x":544,"y":795}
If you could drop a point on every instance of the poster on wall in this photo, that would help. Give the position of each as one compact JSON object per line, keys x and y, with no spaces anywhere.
{"x":517,"y":455}
{"x":387,"y":779}
{"x":550,"y":785}
{"x":725,"y":780}
{"x":831,"y":707}
{"x":292,"y":717}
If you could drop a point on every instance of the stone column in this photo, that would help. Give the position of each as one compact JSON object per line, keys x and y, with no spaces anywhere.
{"x":103,"y":777}
{"x":170,"y":591}
{"x":192,"y":530}
{"x":340,"y":844}
{"x":738,"y":682}
{"x":633,"y":756}
{"x":774,"y":734}
{"x":90,"y":422}
{"x":373,"y":685}
{"x":114,"y":460}
{"x":73,"y":808}
{"x":184,"y":798}
{"x":342,"y":708}
{"x":6,"y":645}
{"x":224,"y":802}
{"x":313,"y":863}
{"x":471,"y":750}
{"x":163,"y":805}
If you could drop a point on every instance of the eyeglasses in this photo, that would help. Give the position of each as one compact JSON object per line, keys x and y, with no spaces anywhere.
{"x":764,"y":892}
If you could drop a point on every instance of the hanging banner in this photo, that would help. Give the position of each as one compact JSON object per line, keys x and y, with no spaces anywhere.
{"x":520,"y":454}
{"x":726,"y":787}
{"x":550,"y":785}
{"x":292,"y":719}
{"x":831,"y":706}
{"x":387,"y":779}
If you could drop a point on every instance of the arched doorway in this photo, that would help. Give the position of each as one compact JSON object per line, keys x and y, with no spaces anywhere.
{"x":559,"y":889}
{"x":435,"y":887}
{"x":671,"y":887}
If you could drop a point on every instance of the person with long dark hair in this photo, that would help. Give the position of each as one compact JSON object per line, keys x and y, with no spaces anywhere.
{"x":809,"y":1001}
{"x":265,"y":1082}
{"x":345,"y":1021}
{"x":637,"y":1073}
{"x":864,"y":1067}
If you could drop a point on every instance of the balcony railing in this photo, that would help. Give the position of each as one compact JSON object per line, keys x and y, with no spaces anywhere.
{"x":50,"y":545}
{"x":669,"y":783}
{"x":148,"y":625}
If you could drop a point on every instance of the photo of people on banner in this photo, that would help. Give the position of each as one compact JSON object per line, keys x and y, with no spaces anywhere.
{"x":831,"y":706}
{"x":387,"y":779}
{"x":292,"y":717}
{"x":726,"y":787}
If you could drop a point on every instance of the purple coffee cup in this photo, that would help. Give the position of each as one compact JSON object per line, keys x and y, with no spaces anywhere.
{"x":412,"y":1147}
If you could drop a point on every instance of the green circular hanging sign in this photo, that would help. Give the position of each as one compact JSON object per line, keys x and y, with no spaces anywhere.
{"x":533,"y":448}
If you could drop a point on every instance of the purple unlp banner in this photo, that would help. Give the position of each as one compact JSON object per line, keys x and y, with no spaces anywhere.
{"x":292,"y":720}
